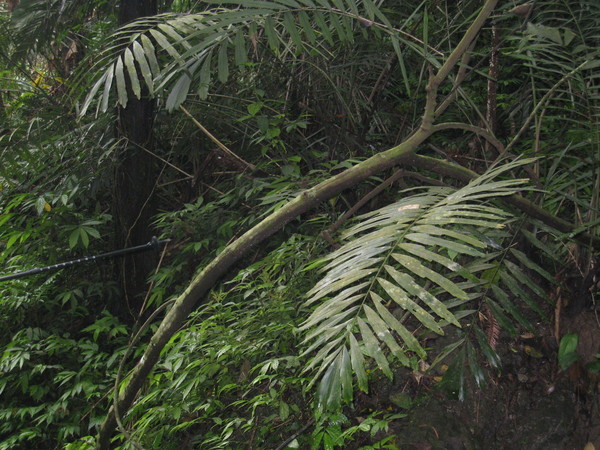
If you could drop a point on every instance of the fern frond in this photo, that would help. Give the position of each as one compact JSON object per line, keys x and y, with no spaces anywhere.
{"x":400,"y":273}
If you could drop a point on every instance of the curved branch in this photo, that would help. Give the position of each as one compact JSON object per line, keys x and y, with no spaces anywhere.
{"x":472,"y":128}
{"x":204,"y":281}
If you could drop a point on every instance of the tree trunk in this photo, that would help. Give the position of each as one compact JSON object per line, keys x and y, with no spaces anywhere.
{"x":134,"y":200}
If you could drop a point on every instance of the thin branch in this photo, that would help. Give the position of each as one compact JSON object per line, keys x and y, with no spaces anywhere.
{"x":367,"y":22}
{"x":460,"y":76}
{"x":456,"y":55}
{"x":173,"y":166}
{"x":216,"y":141}
{"x":492,"y":85}
{"x":541,"y":104}
{"x":327,"y":234}
{"x":472,"y":128}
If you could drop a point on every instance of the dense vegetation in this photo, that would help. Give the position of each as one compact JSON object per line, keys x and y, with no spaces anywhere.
{"x":340,"y":181}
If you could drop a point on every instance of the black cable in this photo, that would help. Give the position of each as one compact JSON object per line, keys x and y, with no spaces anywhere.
{"x":154,"y":244}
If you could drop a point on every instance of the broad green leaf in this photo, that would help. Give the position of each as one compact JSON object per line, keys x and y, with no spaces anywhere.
{"x":526,"y":280}
{"x":90,"y":96}
{"x":548,"y":251}
{"x":73,"y":238}
{"x":174,"y":35}
{"x":329,"y":309}
{"x":180,"y":91}
{"x":429,"y":240}
{"x":485,"y":347}
{"x":241,"y":54}
{"x":121,"y":85}
{"x":166,"y":45}
{"x":353,"y":264}
{"x":133,"y":76}
{"x":344,"y":294}
{"x":382,"y":332}
{"x":205,"y":76}
{"x":332,"y":323}
{"x":272,"y":37}
{"x":325,"y":334}
{"x":223,"y":62}
{"x":504,"y":322}
{"x":400,"y":297}
{"x":510,"y":307}
{"x":409,"y":340}
{"x":403,"y":71}
{"x":372,"y":347}
{"x":306,"y":26}
{"x":325,"y":289}
{"x":409,"y":285}
{"x":414,"y":266}
{"x":447,"y":350}
{"x":323,"y":356}
{"x":437,"y":231}
{"x":324,"y":27}
{"x":329,"y":389}
{"x":107,"y":86}
{"x":337,"y":26}
{"x":290,"y":26}
{"x":476,"y":371}
{"x":140,"y":57}
{"x":345,"y":374}
{"x":423,"y":253}
{"x":366,"y":246}
{"x":40,"y":205}
{"x":516,"y":289}
{"x":150,"y":54}
{"x":567,"y":350}
{"x":358,"y":363}
{"x":523,"y":259}
{"x":454,"y":378}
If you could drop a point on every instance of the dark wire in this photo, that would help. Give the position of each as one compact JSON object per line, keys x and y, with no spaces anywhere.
{"x":154,"y":244}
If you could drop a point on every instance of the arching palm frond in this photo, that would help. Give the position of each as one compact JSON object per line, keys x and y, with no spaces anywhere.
{"x":196,"y":46}
{"x":413,"y":265}
{"x":562,"y":38}
{"x":36,"y":23}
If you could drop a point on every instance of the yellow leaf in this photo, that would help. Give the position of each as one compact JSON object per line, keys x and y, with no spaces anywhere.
{"x":532,"y":352}
{"x":47,"y":207}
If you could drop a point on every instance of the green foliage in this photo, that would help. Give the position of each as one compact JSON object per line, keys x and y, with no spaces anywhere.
{"x":231,"y":375}
{"x":567,"y":350}
{"x":328,"y":432}
{"x":52,"y":383}
{"x":407,"y":256}
{"x":298,"y":87}
{"x":202,"y":44}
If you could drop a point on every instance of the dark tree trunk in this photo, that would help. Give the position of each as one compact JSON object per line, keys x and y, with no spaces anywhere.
{"x":134,"y":201}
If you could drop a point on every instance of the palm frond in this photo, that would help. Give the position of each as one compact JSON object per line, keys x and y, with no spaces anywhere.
{"x":35,"y":23}
{"x":175,"y":53}
{"x":408,"y":268}
{"x":559,"y":38}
